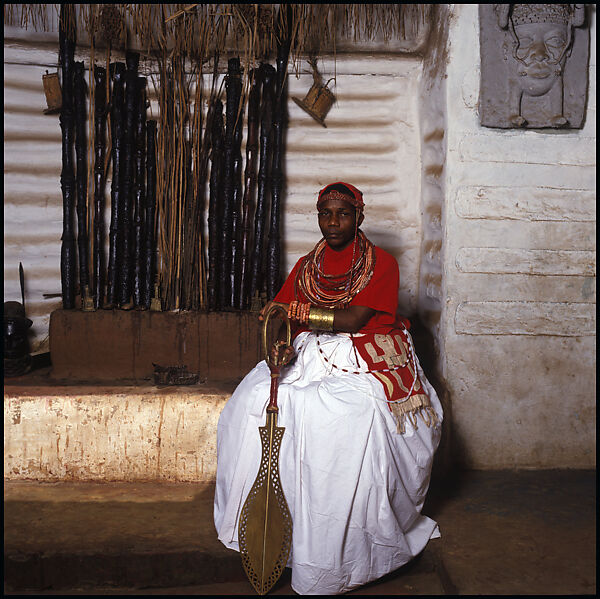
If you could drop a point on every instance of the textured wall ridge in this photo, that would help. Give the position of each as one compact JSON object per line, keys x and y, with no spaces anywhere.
{"x":525,"y":203}
{"x":519,"y":277}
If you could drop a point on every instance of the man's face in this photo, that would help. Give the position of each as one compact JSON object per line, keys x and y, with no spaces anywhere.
{"x":337,"y":221}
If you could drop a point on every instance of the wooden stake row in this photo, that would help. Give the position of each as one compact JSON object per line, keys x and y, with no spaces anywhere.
{"x":159,"y":184}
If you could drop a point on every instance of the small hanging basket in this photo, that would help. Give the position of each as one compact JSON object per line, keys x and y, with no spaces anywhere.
{"x":317,"y":102}
{"x":53,"y":92}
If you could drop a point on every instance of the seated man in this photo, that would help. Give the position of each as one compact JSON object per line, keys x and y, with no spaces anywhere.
{"x":361,"y":420}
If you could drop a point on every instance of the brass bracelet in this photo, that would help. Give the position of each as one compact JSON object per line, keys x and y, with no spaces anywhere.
{"x":320,"y":319}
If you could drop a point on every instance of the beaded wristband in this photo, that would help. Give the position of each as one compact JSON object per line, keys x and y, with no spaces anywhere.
{"x":304,"y":313}
{"x":299,"y":311}
{"x":320,"y":319}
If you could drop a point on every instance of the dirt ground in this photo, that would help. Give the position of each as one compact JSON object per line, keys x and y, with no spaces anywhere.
{"x":503,"y":532}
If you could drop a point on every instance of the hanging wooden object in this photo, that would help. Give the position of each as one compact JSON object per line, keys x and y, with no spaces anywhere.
{"x":79,"y":94}
{"x":127,"y":185}
{"x":317,"y":102}
{"x":99,"y":184}
{"x":116,"y":206}
{"x":279,"y":122}
{"x":52,"y":92}
{"x":67,"y":176}
{"x":319,"y":99}
{"x":233,"y":86}
{"x":260,"y":215}
{"x":149,"y":228}
{"x":249,"y":189}
{"x":215,"y":207}
{"x":139,"y":208}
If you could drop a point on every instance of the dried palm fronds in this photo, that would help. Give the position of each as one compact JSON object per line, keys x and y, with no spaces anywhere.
{"x":36,"y":16}
{"x":246,"y":29}
{"x":182,"y":167}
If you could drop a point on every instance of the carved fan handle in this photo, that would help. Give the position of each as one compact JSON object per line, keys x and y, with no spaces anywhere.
{"x":275,"y":367}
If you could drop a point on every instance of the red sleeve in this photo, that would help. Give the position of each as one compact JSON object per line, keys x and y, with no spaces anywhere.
{"x":286,"y":293}
{"x":381,"y":293}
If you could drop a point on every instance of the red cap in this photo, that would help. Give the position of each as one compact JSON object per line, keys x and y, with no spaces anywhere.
{"x":354,"y":196}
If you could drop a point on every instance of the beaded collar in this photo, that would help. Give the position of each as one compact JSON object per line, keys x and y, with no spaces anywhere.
{"x":335,"y":291}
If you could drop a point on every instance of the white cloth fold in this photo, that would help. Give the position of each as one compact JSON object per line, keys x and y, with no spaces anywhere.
{"x":354,"y":486}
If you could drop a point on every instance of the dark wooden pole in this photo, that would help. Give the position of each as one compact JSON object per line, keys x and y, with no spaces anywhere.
{"x":116,"y":204}
{"x":248,"y":200}
{"x":67,"y":177}
{"x":236,"y":213}
{"x":233,"y":88}
{"x":126,"y":272}
{"x":79,"y":92}
{"x":215,"y":207}
{"x":99,"y":183}
{"x":279,"y":124}
{"x":260,"y":216}
{"x":139,"y":195}
{"x":150,"y":228}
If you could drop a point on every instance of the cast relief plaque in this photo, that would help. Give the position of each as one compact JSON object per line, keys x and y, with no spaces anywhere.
{"x":534,"y":65}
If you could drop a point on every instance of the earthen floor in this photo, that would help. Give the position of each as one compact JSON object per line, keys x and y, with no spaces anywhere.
{"x":503,"y":532}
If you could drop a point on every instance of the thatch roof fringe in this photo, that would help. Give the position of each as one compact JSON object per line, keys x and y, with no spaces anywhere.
{"x":201,"y":30}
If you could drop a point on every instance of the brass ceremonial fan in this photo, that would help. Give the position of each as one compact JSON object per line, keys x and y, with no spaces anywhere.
{"x":265,"y":526}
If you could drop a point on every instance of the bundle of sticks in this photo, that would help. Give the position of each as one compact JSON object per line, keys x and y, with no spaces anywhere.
{"x":244,"y":261}
{"x":160,"y":176}
{"x":130,"y":274}
{"x":127,"y":280}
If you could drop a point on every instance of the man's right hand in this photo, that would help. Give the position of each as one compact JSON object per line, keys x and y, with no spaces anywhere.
{"x":267,"y":306}
{"x":281,"y":354}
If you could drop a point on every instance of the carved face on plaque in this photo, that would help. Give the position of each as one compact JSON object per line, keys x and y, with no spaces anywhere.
{"x":540,"y":51}
{"x":542,"y":36}
{"x":534,"y":61}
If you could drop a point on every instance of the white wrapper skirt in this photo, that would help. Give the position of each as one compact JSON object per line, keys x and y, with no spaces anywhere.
{"x":354,"y":485}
